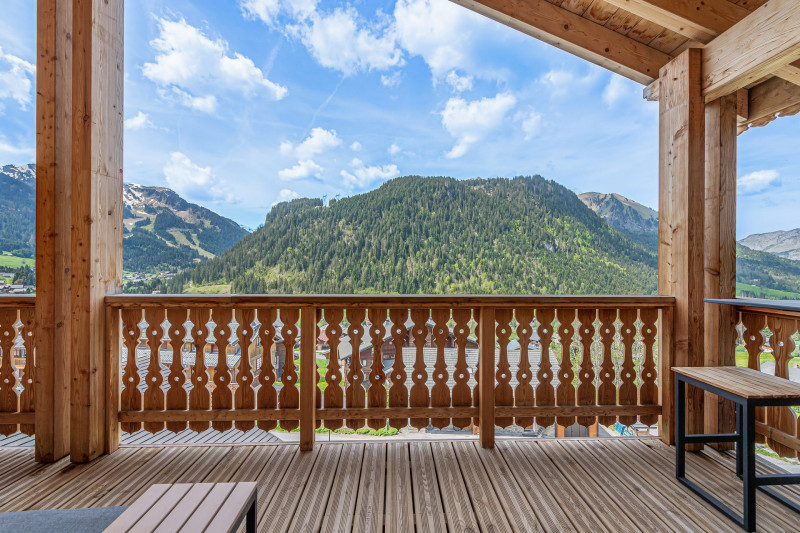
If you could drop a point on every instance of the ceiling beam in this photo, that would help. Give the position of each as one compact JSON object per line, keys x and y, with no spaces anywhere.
{"x":755,"y":47}
{"x":700,"y":20}
{"x":768,"y":100}
{"x":575,"y":34}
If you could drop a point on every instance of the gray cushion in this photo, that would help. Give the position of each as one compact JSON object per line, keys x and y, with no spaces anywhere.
{"x":61,"y":520}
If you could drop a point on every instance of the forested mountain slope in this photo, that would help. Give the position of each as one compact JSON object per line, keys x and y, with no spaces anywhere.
{"x":434,"y":235}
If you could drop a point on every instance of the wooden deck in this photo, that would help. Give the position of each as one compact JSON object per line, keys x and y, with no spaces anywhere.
{"x":522,"y":485}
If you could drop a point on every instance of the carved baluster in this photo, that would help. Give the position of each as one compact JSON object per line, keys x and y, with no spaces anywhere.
{"x":607,"y":392}
{"x":503,"y":393}
{"x":131,"y":396}
{"x":221,"y":397}
{"x":782,"y":418}
{"x":420,"y":395}
{"x":176,"y":393}
{"x":267,"y":395}
{"x":462,"y":394}
{"x":587,"y":393}
{"x":753,"y":338}
{"x":565,"y":393}
{"x":199,"y":396}
{"x":545,"y":393}
{"x":334,"y":395}
{"x":154,"y":394}
{"x":289,"y":397}
{"x":9,"y":401}
{"x":648,"y":391}
{"x":28,"y":378}
{"x":354,"y":393}
{"x":377,"y":377}
{"x":440,"y":393}
{"x":245,"y":395}
{"x":398,"y":392}
{"x":628,"y":395}
{"x":318,"y":392}
{"x":523,"y":394}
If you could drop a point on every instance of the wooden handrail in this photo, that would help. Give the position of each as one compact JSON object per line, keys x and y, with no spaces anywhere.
{"x":17,"y":300}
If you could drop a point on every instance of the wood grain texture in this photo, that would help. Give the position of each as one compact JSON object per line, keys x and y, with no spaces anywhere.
{"x":398,"y":392}
{"x":27,"y":398}
{"x":376,"y":394}
{"x":503,"y":393}
{"x":289,"y":396}
{"x":648,"y":390}
{"x":607,"y":391}
{"x":486,"y":376}
{"x":628,"y":393}
{"x":587,"y":392}
{"x":462,"y":394}
{"x":333,"y":395}
{"x":199,"y":396}
{"x":354,"y":391}
{"x":154,"y":398}
{"x":308,"y":377}
{"x":399,"y":495}
{"x":267,"y":397}
{"x":545,"y":392}
{"x":429,"y":513}
{"x":565,"y":393}
{"x":9,"y":400}
{"x":244,"y":397}
{"x":440,"y":392}
{"x":177,"y":398}
{"x":222,"y":396}
{"x":420,"y":395}
{"x":371,"y":489}
{"x":523,"y":393}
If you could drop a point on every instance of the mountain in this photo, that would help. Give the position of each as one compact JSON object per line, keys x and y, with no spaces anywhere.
{"x":162,"y":231}
{"x":758,"y":274}
{"x":434,"y":235}
{"x":781,"y":243}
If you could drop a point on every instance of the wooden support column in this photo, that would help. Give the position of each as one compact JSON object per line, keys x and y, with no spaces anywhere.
{"x":681,"y":211}
{"x":96,"y":212}
{"x":720,"y":253}
{"x":53,"y":193}
{"x":666,"y":385}
{"x":308,"y":374}
{"x":486,"y":376}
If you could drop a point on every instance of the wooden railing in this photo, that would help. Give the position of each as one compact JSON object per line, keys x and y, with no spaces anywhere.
{"x":17,"y":364}
{"x":172,"y":375}
{"x":772,"y":336}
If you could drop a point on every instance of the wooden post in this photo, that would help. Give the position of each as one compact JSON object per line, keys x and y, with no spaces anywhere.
{"x":486,"y":377}
{"x":666,"y":385}
{"x":720,"y":253}
{"x":681,"y":211}
{"x":112,"y":406}
{"x":53,"y":192}
{"x":96,"y":212}
{"x":308,"y":371}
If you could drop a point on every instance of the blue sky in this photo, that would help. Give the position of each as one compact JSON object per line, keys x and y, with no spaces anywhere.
{"x":243,"y":103}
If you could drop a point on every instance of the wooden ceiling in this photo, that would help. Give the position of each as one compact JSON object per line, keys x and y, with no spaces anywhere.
{"x":635,"y":38}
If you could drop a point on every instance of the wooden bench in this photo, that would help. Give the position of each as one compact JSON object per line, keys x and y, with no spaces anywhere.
{"x":749,"y":389}
{"x":190,"y":507}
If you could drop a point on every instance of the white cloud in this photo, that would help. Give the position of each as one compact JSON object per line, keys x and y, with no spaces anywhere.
{"x":317,"y":142}
{"x":364,"y":176}
{"x":11,"y":150}
{"x":469,"y":122}
{"x":619,"y":88}
{"x":269,"y":10}
{"x":140,"y":121}
{"x":286,"y":195}
{"x":193,"y":181}
{"x":392,"y":80}
{"x":356,"y":146}
{"x":394,"y":149}
{"x":459,"y":83}
{"x":195,"y":67}
{"x":206,"y":104}
{"x":558,"y":80}
{"x":530,"y":123}
{"x":758,"y":181}
{"x":16,"y":76}
{"x":303,"y":169}
{"x":340,"y":41}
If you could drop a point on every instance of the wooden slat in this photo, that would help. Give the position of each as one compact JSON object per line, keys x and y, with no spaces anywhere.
{"x":129,"y":518}
{"x":315,"y":497}
{"x":354,"y":391}
{"x":222,"y":396}
{"x":281,"y":509}
{"x":545,"y":393}
{"x":420,"y":395}
{"x":267,"y":395}
{"x":486,"y":375}
{"x":565,"y":392}
{"x":587,"y":393}
{"x":154,"y":399}
{"x":371,"y":489}
{"x":648,"y":390}
{"x":235,"y":506}
{"x":745,"y":382}
{"x":206,"y":511}
{"x":199,"y":396}
{"x":503,"y":393}
{"x":399,"y":496}
{"x":428,"y":510}
{"x":308,"y":377}
{"x":344,"y":493}
{"x":187,"y":505}
{"x":398,"y":392}
{"x":376,"y":395}
{"x":440,"y":392}
{"x":462,"y":394}
{"x":455,"y":498}
{"x":488,"y":510}
{"x":165,"y":505}
{"x":244,"y":397}
{"x":523,"y":393}
{"x":177,"y":398}
{"x":333,"y":395}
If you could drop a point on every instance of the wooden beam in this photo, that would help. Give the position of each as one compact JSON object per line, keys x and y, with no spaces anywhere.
{"x":720,"y":254}
{"x":760,"y":44}
{"x":575,"y":34}
{"x":53,"y":191}
{"x":96,"y":212}
{"x":486,"y":375}
{"x":681,"y":208}
{"x":308,"y":381}
{"x":769,"y":99}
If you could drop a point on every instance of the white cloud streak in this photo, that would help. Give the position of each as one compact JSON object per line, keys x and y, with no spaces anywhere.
{"x":469,"y":122}
{"x":758,"y":181}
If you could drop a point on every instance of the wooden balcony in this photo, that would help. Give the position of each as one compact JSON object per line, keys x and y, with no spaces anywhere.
{"x":520,"y":485}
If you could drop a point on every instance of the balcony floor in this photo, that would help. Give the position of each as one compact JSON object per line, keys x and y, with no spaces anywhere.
{"x":522,"y":485}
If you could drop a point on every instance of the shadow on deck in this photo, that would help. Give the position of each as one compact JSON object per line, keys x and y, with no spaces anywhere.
{"x":521,"y":485}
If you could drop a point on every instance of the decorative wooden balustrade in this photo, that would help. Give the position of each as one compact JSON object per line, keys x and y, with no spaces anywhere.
{"x":17,"y":364}
{"x":226,"y":361}
{"x":772,"y":336}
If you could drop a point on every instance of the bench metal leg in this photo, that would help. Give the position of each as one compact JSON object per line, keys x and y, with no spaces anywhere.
{"x":250,"y":525}
{"x":680,"y":424}
{"x":740,"y":431}
{"x":749,"y":466}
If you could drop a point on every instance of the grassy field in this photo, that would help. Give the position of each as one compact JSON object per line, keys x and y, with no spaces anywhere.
{"x":12,"y":261}
{"x":769,"y":294}
{"x":209,"y":289}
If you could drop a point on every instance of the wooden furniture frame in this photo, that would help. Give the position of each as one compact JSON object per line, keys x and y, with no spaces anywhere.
{"x":191,"y":507}
{"x":748,"y":389}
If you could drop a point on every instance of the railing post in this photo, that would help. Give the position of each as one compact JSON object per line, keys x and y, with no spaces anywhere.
{"x":486,"y":334}
{"x":113,"y":341}
{"x":308,"y":371}
{"x":666,"y":387}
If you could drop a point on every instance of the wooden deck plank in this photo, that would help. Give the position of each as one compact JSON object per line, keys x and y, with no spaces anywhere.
{"x":487,"y":507}
{"x":318,"y":490}
{"x":520,"y":514}
{"x":429,"y":513}
{"x":344,"y":493}
{"x":282,"y":508}
{"x":455,"y":498}
{"x":372,"y":488}
{"x":399,"y":499}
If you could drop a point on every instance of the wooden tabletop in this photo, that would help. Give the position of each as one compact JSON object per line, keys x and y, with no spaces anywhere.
{"x":744,"y":382}
{"x":757,"y":303}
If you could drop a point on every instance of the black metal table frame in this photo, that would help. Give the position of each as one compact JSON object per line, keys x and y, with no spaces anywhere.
{"x":745,"y":450}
